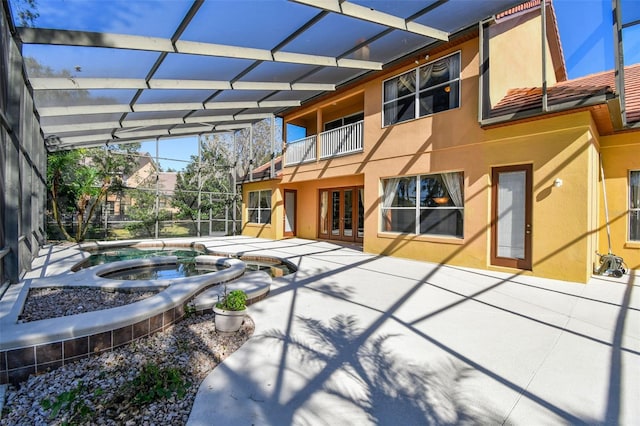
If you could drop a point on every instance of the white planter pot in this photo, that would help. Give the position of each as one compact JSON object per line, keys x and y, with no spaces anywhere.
{"x":228,"y":320}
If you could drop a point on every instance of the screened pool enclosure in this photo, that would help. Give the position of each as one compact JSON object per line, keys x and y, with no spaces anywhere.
{"x":131,"y":71}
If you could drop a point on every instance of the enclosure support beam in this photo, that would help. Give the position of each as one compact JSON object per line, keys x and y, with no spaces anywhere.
{"x":272,"y":170}
{"x":13,"y":190}
{"x":199,"y":233}
{"x":618,"y":48}
{"x":543,"y":51}
{"x":157,"y":225}
{"x":234,"y":174}
{"x":251,"y":154}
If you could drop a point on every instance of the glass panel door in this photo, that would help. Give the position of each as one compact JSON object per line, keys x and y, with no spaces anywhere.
{"x":360,"y":213}
{"x":341,"y":210}
{"x":335,"y":213}
{"x":347,"y":218}
{"x":324,"y":216}
{"x":511,"y":205}
{"x":511,"y":218}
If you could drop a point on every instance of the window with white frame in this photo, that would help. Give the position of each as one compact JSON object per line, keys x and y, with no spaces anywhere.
{"x":634,"y":205}
{"x":425,"y":90}
{"x":260,"y":206}
{"x":343,"y":121}
{"x":425,"y":204}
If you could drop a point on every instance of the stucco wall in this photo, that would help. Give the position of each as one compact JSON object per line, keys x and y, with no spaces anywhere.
{"x":515,"y":61}
{"x":273,"y":230}
{"x":563,"y":240}
{"x":620,"y":154}
{"x":566,"y":223}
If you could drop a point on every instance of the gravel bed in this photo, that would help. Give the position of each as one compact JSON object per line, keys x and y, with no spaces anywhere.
{"x":43,"y":303}
{"x":105,"y":388}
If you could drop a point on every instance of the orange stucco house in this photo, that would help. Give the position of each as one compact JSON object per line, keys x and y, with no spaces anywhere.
{"x":452,"y":156}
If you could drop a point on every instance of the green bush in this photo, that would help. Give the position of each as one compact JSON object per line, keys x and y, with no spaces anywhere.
{"x":71,"y":404}
{"x":233,"y":301}
{"x":154,"y":383}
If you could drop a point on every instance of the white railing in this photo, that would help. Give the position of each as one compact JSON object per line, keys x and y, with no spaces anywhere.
{"x":343,"y":140}
{"x":300,"y":151}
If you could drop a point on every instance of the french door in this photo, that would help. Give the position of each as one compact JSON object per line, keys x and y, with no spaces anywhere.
{"x":341,"y":214}
{"x":511,"y":216}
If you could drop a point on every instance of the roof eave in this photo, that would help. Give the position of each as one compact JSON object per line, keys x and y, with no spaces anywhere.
{"x":551,"y":109}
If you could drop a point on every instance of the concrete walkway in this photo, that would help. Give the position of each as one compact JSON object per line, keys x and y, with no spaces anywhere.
{"x":356,"y":339}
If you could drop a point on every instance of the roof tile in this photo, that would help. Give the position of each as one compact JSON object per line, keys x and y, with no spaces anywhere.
{"x":525,"y":99}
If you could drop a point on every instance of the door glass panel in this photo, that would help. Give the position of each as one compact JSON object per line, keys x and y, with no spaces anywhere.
{"x":324,"y":209}
{"x":289,"y":207}
{"x":335,"y":213}
{"x":361,"y":213}
{"x":511,"y":214}
{"x":348,"y":213}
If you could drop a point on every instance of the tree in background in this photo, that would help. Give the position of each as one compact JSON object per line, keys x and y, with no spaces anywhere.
{"x":79,"y":180}
{"x":220,"y":157}
{"x":209,"y":175}
{"x":142,"y":213}
{"x":247,"y":157}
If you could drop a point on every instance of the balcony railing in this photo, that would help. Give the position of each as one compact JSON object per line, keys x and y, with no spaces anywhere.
{"x":300,"y":151}
{"x":341,"y":141}
{"x":333,"y":143}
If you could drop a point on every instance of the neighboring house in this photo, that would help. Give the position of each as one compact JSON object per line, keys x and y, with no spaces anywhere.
{"x":166,"y":188}
{"x":143,"y":173}
{"x":144,"y":177}
{"x":431,"y":160}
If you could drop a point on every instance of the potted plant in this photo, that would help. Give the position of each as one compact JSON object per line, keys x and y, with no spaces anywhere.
{"x":230,"y":310}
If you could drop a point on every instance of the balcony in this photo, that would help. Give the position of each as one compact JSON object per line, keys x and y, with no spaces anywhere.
{"x":344,"y":140}
{"x":300,"y":151}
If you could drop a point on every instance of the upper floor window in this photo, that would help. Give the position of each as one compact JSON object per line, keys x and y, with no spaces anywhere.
{"x":425,"y":90}
{"x":260,"y":206}
{"x":634,"y":205}
{"x":427,"y":204}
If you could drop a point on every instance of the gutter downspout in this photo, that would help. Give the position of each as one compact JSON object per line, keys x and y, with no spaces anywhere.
{"x":543,"y":50}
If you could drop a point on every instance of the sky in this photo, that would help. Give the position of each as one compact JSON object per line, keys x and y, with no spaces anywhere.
{"x":180,"y":149}
{"x":585,"y":28}
{"x":586,"y":33}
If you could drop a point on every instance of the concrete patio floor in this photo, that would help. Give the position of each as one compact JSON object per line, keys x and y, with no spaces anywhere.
{"x":356,"y":339}
{"x":353,"y":338}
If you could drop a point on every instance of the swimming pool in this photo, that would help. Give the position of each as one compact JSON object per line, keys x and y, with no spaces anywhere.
{"x":116,"y":254}
{"x":185,"y":266}
{"x":163,"y":272}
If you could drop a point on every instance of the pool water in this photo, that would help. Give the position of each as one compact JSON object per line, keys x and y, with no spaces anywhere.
{"x":163,"y":272}
{"x":184,"y":267}
{"x":128,"y":253}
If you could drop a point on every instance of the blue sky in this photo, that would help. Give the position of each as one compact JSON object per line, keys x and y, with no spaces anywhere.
{"x":180,"y":149}
{"x":585,"y":28}
{"x":586,"y":33}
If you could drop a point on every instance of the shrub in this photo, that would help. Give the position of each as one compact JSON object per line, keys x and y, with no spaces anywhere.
{"x":236,"y":300}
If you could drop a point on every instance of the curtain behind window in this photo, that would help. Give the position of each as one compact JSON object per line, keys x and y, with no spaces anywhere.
{"x":254,"y":200}
{"x":453,"y":183}
{"x":389,"y":194}
{"x":634,"y":206}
